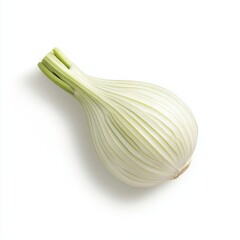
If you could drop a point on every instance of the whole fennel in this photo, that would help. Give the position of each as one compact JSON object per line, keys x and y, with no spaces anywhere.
{"x":143,"y":133}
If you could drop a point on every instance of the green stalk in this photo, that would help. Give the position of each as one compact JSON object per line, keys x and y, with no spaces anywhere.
{"x":57,"y":67}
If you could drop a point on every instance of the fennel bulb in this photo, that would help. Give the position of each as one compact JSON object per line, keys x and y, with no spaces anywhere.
{"x":143,"y":133}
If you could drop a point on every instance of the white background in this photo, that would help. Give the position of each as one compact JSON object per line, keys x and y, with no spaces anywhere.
{"x":53,"y":185}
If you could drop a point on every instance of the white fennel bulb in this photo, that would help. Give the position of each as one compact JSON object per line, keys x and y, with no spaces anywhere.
{"x":143,"y":133}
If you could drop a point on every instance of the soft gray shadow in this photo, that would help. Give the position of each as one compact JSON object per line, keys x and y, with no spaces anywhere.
{"x":75,"y":117}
